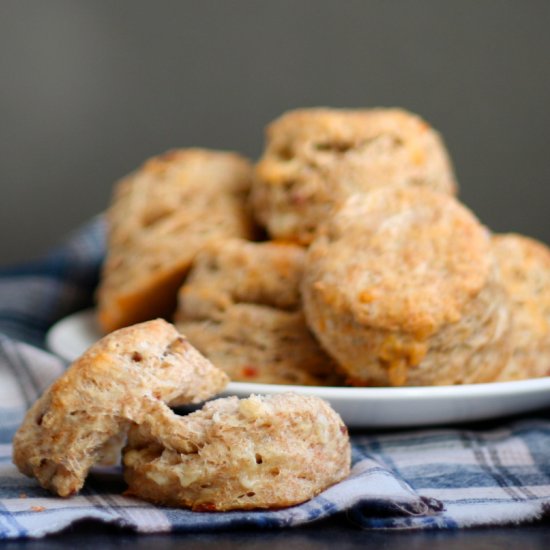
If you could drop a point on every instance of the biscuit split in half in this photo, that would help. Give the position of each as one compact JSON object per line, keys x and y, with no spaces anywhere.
{"x":128,"y":377}
{"x":260,"y":452}
{"x":401,"y":288}
{"x":232,"y":454}
{"x":241,"y":308}
{"x":161,"y":216}
{"x":315,"y":158}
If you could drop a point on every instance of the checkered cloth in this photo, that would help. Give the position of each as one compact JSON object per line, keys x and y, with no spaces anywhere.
{"x":432,"y":479}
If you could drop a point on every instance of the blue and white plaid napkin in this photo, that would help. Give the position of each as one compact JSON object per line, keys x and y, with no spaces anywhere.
{"x":432,"y":479}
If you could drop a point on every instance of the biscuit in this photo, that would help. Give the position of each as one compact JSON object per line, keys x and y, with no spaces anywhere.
{"x":260,"y":452}
{"x":401,"y":289}
{"x":315,"y":158}
{"x":525,"y":267}
{"x":160,"y":217}
{"x":127,"y":377}
{"x":241,"y":307}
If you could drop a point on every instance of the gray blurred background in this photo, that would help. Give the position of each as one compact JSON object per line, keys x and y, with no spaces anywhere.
{"x":91,"y":88}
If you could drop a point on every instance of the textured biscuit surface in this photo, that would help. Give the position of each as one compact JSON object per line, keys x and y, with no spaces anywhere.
{"x":316,"y":158}
{"x":401,"y":289}
{"x":127,"y":377}
{"x":525,"y":267}
{"x":160,"y":217}
{"x":241,"y":307}
{"x":260,"y":452}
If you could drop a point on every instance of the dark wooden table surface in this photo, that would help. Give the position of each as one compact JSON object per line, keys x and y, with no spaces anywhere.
{"x":334,"y":534}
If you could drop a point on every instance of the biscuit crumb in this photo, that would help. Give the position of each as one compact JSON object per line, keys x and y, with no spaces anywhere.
{"x":263,"y":452}
{"x":38,"y":508}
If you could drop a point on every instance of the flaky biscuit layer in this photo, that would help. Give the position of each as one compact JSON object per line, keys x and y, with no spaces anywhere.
{"x":525,"y":267}
{"x":161,"y":215}
{"x":241,"y":307}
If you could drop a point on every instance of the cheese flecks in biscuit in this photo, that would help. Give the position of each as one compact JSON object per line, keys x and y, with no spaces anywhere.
{"x":260,"y":452}
{"x":241,"y":307}
{"x":525,"y":267}
{"x":161,"y":215}
{"x":315,"y":158}
{"x":130,"y":376}
{"x":402,"y":289}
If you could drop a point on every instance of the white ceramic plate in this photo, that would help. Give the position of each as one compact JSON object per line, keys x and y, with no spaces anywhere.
{"x":360,"y":407}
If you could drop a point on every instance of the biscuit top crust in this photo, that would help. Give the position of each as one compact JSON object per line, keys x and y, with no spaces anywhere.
{"x":400,"y":259}
{"x":358,"y":143}
{"x":525,"y":267}
{"x":151,"y":360}
{"x":351,"y":126}
{"x":165,"y":183}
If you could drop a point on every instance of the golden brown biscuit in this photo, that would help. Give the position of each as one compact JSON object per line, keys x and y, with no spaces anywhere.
{"x":127,"y":377}
{"x":240,"y":306}
{"x":161,"y":216}
{"x":525,"y":267}
{"x":315,"y":158}
{"x":401,"y":289}
{"x":260,"y":452}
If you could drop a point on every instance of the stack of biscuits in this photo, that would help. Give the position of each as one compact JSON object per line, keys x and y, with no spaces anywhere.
{"x":343,"y":257}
